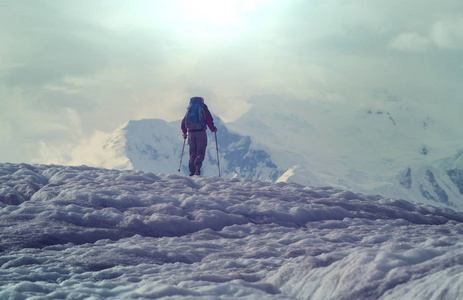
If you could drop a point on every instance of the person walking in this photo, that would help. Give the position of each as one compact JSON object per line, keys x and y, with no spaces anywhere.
{"x":195,"y":123}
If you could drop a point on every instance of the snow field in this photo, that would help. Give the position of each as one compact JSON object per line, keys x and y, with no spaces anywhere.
{"x":87,"y":233}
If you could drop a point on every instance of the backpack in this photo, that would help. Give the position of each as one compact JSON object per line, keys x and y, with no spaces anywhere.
{"x":194,"y":118}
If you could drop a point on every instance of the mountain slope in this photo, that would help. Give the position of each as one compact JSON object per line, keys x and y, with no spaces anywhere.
{"x":386,"y":148}
{"x":81,"y":232}
{"x":368,"y":148}
{"x":156,"y":146}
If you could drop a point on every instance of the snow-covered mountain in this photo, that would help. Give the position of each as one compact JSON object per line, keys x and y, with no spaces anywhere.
{"x":385,"y":147}
{"x":155,"y":145}
{"x":88,"y":233}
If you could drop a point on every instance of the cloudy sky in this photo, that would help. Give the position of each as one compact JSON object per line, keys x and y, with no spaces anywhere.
{"x":73,"y":71}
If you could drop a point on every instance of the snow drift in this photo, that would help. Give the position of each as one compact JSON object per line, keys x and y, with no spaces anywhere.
{"x":81,"y":232}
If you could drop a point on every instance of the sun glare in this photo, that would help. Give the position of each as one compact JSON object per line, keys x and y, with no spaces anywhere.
{"x":213,"y":19}
{"x":218,"y":13}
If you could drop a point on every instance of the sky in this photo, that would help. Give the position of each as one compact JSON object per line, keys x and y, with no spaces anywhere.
{"x":71,"y":72}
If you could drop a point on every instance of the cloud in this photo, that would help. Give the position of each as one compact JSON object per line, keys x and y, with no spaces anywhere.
{"x":71,"y":69}
{"x":44,"y":44}
{"x":88,"y":151}
{"x":410,"y":42}
{"x":448,"y":34}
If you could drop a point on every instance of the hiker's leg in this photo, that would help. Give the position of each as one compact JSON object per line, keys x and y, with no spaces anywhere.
{"x":192,"y":144}
{"x":201,"y":144}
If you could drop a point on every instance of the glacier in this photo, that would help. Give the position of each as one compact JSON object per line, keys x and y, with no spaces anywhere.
{"x":78,"y":232}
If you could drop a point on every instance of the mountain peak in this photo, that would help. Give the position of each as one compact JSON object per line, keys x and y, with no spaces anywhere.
{"x":365,"y":148}
{"x":156,"y":145}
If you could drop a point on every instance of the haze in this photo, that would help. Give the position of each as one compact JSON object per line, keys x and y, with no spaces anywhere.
{"x":73,"y":71}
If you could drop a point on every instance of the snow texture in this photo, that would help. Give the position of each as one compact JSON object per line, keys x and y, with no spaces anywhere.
{"x":88,"y":233}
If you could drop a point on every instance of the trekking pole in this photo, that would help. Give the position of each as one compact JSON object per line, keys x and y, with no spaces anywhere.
{"x":181,"y":157}
{"x":217,"y":147}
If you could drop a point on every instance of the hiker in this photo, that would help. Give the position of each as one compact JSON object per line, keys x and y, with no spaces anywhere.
{"x":195,"y":121}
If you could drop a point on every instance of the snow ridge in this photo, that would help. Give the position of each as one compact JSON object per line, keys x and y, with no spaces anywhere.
{"x":79,"y":232}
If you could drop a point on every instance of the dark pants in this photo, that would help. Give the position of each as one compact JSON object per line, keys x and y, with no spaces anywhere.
{"x":197,"y":140}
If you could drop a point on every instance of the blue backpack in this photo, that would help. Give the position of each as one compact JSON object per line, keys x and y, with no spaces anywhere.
{"x":194,"y":118}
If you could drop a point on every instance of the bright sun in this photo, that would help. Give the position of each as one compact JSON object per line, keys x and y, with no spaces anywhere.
{"x":218,"y":12}
{"x":210,"y":20}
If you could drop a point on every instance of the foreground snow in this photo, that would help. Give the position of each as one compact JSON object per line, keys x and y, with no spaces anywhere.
{"x":79,"y":233}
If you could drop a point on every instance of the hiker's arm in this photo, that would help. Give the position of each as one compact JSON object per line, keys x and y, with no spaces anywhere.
{"x":184,"y":130}
{"x":208,"y":119}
